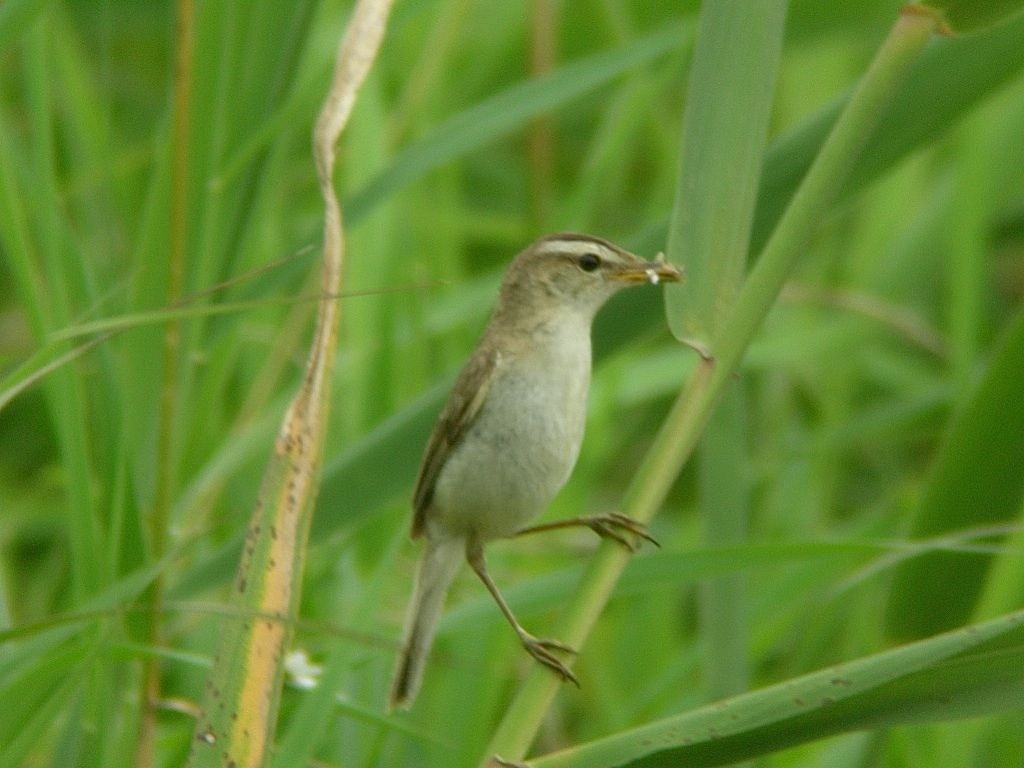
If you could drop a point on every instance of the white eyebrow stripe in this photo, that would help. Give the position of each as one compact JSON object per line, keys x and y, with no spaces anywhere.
{"x":577,"y":247}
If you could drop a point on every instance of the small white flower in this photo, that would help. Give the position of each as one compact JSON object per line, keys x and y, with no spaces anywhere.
{"x":301,"y":671}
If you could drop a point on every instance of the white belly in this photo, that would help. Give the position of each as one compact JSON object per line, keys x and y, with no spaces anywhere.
{"x":521,"y":447}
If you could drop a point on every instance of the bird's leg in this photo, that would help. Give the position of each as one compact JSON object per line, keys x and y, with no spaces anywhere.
{"x":539,"y":648}
{"x":611,"y":526}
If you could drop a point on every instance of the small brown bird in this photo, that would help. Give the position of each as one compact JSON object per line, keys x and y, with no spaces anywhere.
{"x":510,"y":433}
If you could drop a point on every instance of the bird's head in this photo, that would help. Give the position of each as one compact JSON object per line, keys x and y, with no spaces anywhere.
{"x":576,"y":272}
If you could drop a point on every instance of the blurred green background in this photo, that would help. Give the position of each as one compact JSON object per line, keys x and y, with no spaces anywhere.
{"x":883,"y":428}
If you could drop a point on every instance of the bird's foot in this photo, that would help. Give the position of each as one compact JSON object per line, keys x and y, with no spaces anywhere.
{"x":541,"y":650}
{"x":615,"y":526}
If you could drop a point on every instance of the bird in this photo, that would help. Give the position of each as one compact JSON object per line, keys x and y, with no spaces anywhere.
{"x":510,"y":432}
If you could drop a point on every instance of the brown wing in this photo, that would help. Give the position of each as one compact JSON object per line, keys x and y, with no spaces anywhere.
{"x":467,"y":395}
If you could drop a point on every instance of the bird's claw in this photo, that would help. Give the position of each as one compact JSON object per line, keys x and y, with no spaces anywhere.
{"x":611,"y":526}
{"x":541,"y":650}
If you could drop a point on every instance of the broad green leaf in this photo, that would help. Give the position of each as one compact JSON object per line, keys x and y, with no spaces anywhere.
{"x":728,"y":103}
{"x":957,"y":674}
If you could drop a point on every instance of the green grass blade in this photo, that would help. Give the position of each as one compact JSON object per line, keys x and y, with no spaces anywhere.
{"x":952,"y":75}
{"x":508,"y":111}
{"x":944,"y":677}
{"x":728,"y":103}
{"x":725,"y":127}
{"x":976,"y":481}
{"x":966,"y":15}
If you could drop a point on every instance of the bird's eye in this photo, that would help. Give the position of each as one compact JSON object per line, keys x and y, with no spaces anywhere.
{"x":588,"y":262}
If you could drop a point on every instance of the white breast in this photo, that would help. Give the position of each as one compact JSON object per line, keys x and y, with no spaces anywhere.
{"x":525,"y":440}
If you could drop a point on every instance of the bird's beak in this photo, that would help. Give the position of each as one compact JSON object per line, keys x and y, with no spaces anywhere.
{"x":652,"y":272}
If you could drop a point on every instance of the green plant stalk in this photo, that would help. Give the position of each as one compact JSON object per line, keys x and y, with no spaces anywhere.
{"x":724,"y":508}
{"x":169,"y":394}
{"x":822,"y":185}
{"x":691,"y":410}
{"x":969,"y":232}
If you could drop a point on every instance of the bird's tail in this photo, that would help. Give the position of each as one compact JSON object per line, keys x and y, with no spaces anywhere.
{"x":439,"y":564}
